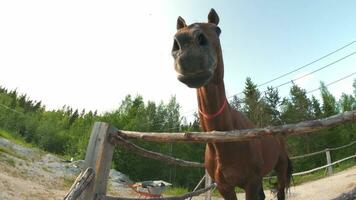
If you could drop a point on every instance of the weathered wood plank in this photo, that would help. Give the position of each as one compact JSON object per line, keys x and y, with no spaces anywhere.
{"x":208,"y":181}
{"x":323,"y":151}
{"x":316,"y":169}
{"x":99,"y":156}
{"x":80,"y":184}
{"x":245,"y":134}
{"x":116,"y":139}
{"x":328,"y":162}
{"x":325,"y":166}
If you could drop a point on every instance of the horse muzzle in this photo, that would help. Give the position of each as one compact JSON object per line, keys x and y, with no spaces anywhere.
{"x":195,"y":80}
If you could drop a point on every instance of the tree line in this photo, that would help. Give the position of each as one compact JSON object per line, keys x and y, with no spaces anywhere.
{"x":66,"y":131}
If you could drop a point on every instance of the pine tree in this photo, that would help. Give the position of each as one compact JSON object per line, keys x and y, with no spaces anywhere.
{"x":236,"y":103}
{"x":316,"y":108}
{"x":272,"y":100}
{"x":253,"y":103}
{"x":298,"y":107}
{"x":354,"y":86}
{"x":329,"y":106}
{"x":347,"y":102}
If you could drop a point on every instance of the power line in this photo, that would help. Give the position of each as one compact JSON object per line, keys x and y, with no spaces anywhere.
{"x":293,"y":80}
{"x":306,"y":65}
{"x":299,"y":68}
{"x":331,"y":83}
{"x":325,"y":66}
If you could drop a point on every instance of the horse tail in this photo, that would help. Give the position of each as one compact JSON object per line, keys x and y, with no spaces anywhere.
{"x":289,"y":173}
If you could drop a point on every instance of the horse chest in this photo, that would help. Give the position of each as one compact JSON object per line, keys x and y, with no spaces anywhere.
{"x":230,"y":163}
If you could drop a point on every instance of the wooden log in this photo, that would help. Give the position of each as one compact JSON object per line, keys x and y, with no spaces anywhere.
{"x":99,"y":156}
{"x":245,"y":134}
{"x":182,"y":197}
{"x":208,"y":181}
{"x":316,"y":169}
{"x":80,"y":184}
{"x":323,"y":167}
{"x":116,"y":139}
{"x":328,"y":162}
{"x":337,"y":148}
{"x":320,"y":152}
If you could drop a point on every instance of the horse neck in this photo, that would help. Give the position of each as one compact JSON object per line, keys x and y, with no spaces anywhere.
{"x":211,"y":98}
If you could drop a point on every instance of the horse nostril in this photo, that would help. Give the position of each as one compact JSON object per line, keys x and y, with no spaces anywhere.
{"x":175,"y":45}
{"x":202,"y":40}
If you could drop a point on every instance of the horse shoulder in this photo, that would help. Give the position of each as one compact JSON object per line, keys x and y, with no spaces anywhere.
{"x":240,"y":121}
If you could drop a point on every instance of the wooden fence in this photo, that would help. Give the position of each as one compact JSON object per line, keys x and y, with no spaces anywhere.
{"x":91,"y":184}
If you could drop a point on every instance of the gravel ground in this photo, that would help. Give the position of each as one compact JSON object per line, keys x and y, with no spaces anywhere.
{"x":323,"y":189}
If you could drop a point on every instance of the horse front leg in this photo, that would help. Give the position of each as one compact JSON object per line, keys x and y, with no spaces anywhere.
{"x":227,"y":192}
{"x":254,"y":190}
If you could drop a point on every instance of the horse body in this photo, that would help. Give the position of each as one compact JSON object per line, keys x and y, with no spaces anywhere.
{"x":199,"y":63}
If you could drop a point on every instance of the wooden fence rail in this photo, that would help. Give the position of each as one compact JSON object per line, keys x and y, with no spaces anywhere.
{"x":80,"y":184}
{"x":325,"y":166}
{"x":245,"y":134}
{"x":322,"y":151}
{"x":116,"y":139}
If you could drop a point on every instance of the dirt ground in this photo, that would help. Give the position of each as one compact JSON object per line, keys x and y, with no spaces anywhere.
{"x":322,"y":189}
{"x":15,"y":185}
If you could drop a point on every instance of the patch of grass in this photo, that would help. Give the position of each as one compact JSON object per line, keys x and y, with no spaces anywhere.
{"x":14,"y":138}
{"x":10,"y":161}
{"x":175,"y":191}
{"x":68,"y":181}
{"x":46,"y":169}
{"x":6,"y":150}
{"x":11,"y":153}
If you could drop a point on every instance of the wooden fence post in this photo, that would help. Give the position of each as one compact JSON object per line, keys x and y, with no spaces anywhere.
{"x":208,"y":182}
{"x":98,"y":156}
{"x":328,"y":160}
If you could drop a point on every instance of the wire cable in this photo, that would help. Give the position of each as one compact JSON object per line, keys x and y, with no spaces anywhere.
{"x":308,"y":64}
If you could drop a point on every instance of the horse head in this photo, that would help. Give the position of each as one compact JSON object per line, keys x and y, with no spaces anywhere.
{"x":197,"y":52}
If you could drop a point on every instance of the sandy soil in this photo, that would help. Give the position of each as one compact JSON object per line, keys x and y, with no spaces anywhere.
{"x":17,"y":187}
{"x":323,"y":189}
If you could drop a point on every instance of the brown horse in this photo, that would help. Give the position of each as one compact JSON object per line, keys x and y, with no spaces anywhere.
{"x":199,"y":64}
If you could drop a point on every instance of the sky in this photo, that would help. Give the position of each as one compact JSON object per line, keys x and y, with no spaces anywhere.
{"x":91,"y":54}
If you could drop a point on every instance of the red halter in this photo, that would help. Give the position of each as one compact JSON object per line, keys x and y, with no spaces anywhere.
{"x":212,"y":116}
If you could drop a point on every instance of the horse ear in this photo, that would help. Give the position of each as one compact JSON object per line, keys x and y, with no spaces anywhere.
{"x":181,"y":23}
{"x":213,"y":17}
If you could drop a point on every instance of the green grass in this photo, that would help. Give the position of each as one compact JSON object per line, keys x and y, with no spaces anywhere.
{"x":11,"y":153}
{"x":14,"y":138}
{"x":6,"y":150}
{"x":46,"y":169}
{"x":68,"y":181}
{"x":175,"y":191}
{"x":9,"y":161}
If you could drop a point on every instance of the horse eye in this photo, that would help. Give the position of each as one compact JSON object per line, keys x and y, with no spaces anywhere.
{"x":175,"y":45}
{"x":218,"y":31}
{"x":202,"y":40}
